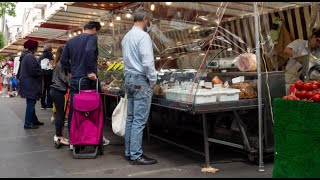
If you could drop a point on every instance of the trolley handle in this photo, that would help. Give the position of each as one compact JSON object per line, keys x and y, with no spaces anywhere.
{"x":97,"y":84}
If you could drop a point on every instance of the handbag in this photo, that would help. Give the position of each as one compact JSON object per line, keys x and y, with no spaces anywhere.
{"x":119,"y":116}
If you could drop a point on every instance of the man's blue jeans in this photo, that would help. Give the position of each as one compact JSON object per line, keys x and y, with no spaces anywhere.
{"x":86,"y":84}
{"x":139,"y":101}
{"x":30,"y":116}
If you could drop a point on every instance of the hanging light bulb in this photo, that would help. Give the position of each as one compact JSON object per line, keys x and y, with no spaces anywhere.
{"x":70,"y":35}
{"x":102,"y":23}
{"x":118,"y":18}
{"x":111,"y":24}
{"x":74,"y":33}
{"x":152,"y":7}
{"x":128,"y":15}
{"x":168,"y":3}
{"x":79,"y":32}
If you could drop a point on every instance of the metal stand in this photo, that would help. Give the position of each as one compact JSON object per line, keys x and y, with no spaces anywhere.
{"x":256,"y":29}
{"x":205,"y":138}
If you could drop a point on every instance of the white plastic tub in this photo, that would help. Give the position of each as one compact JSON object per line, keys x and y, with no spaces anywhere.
{"x":172,"y":94}
{"x":228,"y":94}
{"x":203,"y":96}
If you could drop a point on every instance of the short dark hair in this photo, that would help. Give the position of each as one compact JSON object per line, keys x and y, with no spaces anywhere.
{"x":140,"y":13}
{"x":92,"y":25}
{"x":316,"y":32}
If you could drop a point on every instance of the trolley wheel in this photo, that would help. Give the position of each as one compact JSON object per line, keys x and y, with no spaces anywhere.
{"x":101,"y":149}
{"x":76,"y":149}
{"x":57,"y":144}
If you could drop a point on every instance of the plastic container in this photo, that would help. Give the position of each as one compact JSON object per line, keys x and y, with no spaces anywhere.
{"x":173,"y":94}
{"x":228,"y":94}
{"x":203,"y":96}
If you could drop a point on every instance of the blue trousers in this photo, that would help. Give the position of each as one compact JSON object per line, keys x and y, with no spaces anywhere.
{"x":139,"y":102}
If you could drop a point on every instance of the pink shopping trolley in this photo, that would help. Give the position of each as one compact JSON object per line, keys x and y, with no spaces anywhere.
{"x":87,"y":124}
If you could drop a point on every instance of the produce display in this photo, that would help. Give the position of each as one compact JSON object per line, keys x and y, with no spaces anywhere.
{"x":111,"y":76}
{"x":305,"y":91}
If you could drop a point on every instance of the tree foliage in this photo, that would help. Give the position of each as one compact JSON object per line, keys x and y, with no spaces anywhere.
{"x":1,"y":40}
{"x":8,"y":8}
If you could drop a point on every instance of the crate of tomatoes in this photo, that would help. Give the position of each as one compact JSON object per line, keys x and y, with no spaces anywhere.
{"x":305,"y":91}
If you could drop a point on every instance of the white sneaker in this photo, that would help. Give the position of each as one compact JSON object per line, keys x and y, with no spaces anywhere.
{"x":52,"y":120}
{"x":7,"y":96}
{"x":105,"y":141}
{"x":71,"y":147}
{"x":65,"y":141}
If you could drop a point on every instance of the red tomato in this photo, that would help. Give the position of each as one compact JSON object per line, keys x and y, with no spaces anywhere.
{"x":314,"y":86}
{"x":316,"y":98}
{"x":299,"y":85}
{"x":317,"y":83}
{"x":301,"y":94}
{"x":298,"y":94}
{"x":309,"y":94}
{"x":308,"y":87}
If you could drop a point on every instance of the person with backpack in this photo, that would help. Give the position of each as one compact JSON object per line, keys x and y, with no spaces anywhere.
{"x":46,"y":60}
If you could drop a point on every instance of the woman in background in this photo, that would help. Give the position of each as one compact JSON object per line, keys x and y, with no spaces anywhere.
{"x":58,"y":90}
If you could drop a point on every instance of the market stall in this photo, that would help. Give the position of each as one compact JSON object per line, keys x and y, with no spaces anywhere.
{"x":208,"y":63}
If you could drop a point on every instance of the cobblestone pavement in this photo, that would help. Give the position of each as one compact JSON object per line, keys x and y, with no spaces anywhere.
{"x":31,"y":153}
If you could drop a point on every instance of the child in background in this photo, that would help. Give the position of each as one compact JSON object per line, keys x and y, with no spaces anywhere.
{"x":7,"y":75}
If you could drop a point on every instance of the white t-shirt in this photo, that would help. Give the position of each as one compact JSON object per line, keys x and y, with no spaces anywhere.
{"x":16,"y":65}
{"x":299,"y":46}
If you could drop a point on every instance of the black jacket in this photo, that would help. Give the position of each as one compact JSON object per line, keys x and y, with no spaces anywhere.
{"x":30,"y":76}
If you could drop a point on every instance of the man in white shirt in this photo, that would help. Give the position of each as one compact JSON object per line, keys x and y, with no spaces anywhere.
{"x":296,"y":48}
{"x":140,"y":79}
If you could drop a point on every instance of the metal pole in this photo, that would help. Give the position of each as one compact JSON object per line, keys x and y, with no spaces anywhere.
{"x":256,"y":30}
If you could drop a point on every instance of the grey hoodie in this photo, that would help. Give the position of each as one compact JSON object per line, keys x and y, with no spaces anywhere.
{"x":59,"y":79}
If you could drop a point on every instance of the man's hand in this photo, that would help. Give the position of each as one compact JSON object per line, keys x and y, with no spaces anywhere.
{"x":92,"y":76}
{"x":152,"y":86}
{"x":69,"y":76}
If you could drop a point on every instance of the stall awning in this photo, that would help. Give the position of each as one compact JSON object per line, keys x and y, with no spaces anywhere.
{"x":70,"y":19}
{"x":55,"y":28}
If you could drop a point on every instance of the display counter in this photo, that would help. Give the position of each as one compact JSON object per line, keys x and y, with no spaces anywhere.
{"x":203,"y":110}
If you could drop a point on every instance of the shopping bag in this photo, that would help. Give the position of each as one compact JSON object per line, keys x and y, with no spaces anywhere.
{"x":119,"y":116}
{"x":14,"y":82}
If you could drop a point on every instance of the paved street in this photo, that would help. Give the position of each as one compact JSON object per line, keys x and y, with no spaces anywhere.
{"x":31,"y":153}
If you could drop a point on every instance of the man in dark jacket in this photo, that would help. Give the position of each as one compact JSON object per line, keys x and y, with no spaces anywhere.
{"x":46,"y":101}
{"x":80,"y":57}
{"x":29,"y":75}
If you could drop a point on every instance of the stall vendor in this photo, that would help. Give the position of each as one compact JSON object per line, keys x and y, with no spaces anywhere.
{"x":297,"y":48}
{"x":300,"y":47}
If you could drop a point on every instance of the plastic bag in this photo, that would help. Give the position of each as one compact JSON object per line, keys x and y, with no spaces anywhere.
{"x":119,"y":116}
{"x":14,"y":82}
